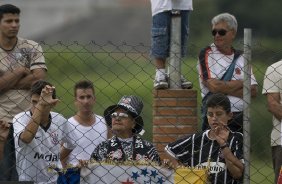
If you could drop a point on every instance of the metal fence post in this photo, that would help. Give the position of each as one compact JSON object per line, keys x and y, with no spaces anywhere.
{"x":247,"y":102}
{"x":174,"y":67}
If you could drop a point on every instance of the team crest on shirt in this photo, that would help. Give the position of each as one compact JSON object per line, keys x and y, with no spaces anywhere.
{"x":237,"y":71}
{"x":54,"y":138}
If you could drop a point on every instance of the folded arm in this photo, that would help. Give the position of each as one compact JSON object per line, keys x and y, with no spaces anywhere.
{"x":274,"y":106}
{"x":233,"y":87}
{"x":27,"y":81}
{"x":9,"y":79}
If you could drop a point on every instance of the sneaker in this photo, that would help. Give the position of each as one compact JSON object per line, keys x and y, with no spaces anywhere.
{"x":160,"y":83}
{"x":185,"y":84}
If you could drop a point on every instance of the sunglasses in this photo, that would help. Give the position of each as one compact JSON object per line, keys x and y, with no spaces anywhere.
{"x":119,"y":115}
{"x":221,"y":32}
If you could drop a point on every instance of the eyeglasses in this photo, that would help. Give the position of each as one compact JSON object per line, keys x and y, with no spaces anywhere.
{"x":221,"y":32}
{"x":119,"y":115}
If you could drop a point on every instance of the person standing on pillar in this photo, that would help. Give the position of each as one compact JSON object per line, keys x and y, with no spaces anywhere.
{"x":21,"y":64}
{"x":160,"y":37}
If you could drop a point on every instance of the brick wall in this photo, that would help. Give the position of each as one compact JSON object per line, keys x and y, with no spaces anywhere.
{"x":174,"y":115}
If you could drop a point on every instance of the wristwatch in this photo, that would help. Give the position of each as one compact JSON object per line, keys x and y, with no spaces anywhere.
{"x":225,"y":145}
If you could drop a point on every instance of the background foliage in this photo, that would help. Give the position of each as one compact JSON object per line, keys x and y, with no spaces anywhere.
{"x":117,"y":70}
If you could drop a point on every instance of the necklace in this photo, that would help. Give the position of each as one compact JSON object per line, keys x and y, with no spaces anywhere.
{"x":9,"y":50}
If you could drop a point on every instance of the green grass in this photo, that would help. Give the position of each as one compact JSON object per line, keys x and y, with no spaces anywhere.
{"x":261,"y":171}
{"x":119,"y":73}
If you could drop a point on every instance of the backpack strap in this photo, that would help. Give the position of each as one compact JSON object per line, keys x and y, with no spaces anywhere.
{"x":202,"y":59}
{"x":227,"y":76}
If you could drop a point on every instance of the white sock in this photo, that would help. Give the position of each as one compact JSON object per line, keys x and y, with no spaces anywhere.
{"x":160,"y":73}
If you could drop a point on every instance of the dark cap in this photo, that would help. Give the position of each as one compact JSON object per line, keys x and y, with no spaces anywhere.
{"x":133,"y":105}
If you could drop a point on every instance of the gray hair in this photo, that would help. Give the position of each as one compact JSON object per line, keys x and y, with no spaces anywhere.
{"x":226,"y":17}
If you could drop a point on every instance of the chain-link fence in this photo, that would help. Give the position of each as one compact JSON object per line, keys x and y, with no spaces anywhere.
{"x":125,"y":69}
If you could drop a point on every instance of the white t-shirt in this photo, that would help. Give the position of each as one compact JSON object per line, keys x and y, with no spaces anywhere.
{"x":159,"y":6}
{"x":273,"y":84}
{"x":33,"y":159}
{"x":87,"y":138}
{"x":217,"y":65}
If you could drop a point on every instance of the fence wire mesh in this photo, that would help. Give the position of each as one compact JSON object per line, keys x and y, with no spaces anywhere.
{"x":124,"y":69}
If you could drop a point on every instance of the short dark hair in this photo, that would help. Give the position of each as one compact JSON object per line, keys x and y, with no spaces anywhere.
{"x":219,"y":100}
{"x":8,"y":8}
{"x":37,"y":87}
{"x":84,"y":84}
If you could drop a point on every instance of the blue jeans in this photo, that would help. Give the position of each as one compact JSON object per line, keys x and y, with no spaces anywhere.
{"x":160,"y":34}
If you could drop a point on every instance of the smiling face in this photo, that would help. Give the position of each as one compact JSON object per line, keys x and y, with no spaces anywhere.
{"x":10,"y":25}
{"x":122,"y":123}
{"x":218,"y":117}
{"x":223,"y":42}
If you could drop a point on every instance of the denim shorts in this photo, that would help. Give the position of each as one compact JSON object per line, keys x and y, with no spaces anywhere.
{"x":160,"y":34}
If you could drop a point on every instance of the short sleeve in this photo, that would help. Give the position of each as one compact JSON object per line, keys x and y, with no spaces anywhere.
{"x":37,"y":58}
{"x":270,"y":81}
{"x":19,"y":123}
{"x":179,"y":147}
{"x":69,"y":137}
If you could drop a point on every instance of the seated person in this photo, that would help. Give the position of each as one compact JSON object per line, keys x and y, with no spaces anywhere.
{"x":125,"y":145}
{"x":218,"y":149}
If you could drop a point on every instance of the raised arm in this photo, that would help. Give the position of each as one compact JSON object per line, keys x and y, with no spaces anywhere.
{"x":233,"y":164}
{"x":40,"y":114}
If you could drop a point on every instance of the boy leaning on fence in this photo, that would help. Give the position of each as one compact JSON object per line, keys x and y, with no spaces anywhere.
{"x":39,"y":134}
{"x":218,"y":149}
{"x":272,"y":88}
{"x":160,"y":37}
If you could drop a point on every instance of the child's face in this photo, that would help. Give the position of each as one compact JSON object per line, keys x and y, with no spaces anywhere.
{"x":218,"y":117}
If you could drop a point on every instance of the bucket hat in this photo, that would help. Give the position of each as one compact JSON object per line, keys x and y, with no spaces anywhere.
{"x":133,"y":105}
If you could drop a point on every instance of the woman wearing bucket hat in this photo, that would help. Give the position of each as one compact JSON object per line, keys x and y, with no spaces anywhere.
{"x":126,"y":123}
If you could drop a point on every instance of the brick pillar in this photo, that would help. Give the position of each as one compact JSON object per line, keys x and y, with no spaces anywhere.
{"x":174,"y":115}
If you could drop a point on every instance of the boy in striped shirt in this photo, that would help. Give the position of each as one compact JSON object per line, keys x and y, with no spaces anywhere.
{"x":218,"y":149}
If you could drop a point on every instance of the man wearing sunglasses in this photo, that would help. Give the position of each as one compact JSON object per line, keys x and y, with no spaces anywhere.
{"x":220,"y":68}
{"x":126,"y":145}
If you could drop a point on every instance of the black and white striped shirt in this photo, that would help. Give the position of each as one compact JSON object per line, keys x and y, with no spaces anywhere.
{"x":198,"y":150}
